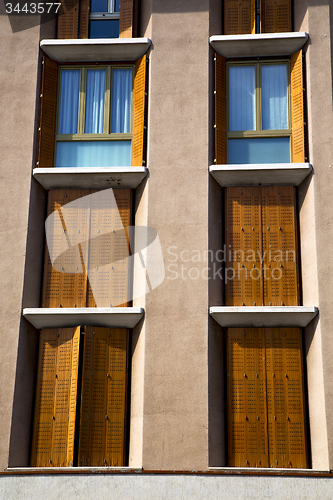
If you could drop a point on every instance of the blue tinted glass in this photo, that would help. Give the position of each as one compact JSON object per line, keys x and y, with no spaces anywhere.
{"x":99,"y":6}
{"x":117,"y":5}
{"x":108,"y":28}
{"x":259,"y":150}
{"x":93,"y":154}
{"x":121,"y":100}
{"x":274,"y":96}
{"x":94,"y":121}
{"x":242,"y":103}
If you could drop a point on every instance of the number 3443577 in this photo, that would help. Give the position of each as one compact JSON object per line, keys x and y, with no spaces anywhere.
{"x":32,"y":8}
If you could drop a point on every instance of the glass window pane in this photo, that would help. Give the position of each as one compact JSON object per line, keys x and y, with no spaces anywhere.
{"x":117,"y":5}
{"x":99,"y":6}
{"x":69,"y":101}
{"x":95,"y":95}
{"x":121,"y":100}
{"x":93,"y":154}
{"x":106,"y":28}
{"x":274,"y":96}
{"x":259,"y":150}
{"x":242,"y":97}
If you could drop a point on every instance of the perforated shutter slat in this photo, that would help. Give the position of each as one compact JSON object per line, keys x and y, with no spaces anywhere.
{"x":84,"y":19}
{"x":68,"y":19}
{"x":47,"y":113}
{"x":279,"y":246}
{"x":139,"y":111}
{"x":247,"y":422}
{"x":108,"y":254}
{"x":220,"y":129}
{"x":297,"y":107}
{"x":55,"y":408}
{"x":275,"y":16}
{"x":243,"y":247}
{"x":102,"y":422}
{"x":126,"y":19}
{"x":66,"y":289}
{"x":285,"y":398}
{"x":239,"y":17}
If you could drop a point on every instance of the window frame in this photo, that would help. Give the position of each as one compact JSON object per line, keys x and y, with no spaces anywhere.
{"x":259,"y":132}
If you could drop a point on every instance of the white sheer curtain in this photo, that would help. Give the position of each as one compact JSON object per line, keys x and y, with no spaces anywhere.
{"x":274,"y":96}
{"x":121,"y":100}
{"x":69,"y":101}
{"x":95,"y":95}
{"x":242,"y":98}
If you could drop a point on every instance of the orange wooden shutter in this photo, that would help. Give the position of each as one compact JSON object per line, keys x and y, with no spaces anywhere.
{"x":275,"y":16}
{"x":84,"y":19}
{"x":247,"y":422}
{"x":47,"y":113}
{"x":56,"y":391}
{"x":103,"y":400}
{"x":285,"y":398}
{"x":68,"y":19}
{"x":297,"y":108}
{"x":239,"y":17}
{"x":61,"y":288}
{"x":139,"y":111}
{"x":279,"y":246}
{"x":126,"y":19}
{"x":109,"y":274}
{"x":220,"y":125}
{"x":243,"y":275}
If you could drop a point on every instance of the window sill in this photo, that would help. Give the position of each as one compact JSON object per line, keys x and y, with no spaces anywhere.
{"x":90,"y":178}
{"x":96,"y":49}
{"x":108,"y":317}
{"x":256,"y":471}
{"x":263,"y":316}
{"x":278,"y":174}
{"x":266,"y":44}
{"x":70,"y":470}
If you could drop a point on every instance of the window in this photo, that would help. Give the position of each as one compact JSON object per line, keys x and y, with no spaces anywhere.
{"x":81,"y":398}
{"x":259,"y":111}
{"x":265,"y":398}
{"x":259,"y":128}
{"x":104,"y":19}
{"x":87,"y":256}
{"x":261,"y":249}
{"x":257,"y":16}
{"x":98,"y":119}
{"x":94,"y":116}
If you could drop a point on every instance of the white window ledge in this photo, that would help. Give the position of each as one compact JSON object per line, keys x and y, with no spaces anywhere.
{"x":90,"y":177}
{"x":95,"y":49}
{"x":108,"y":317}
{"x":266,"y":44}
{"x":263,"y":316}
{"x":278,"y":174}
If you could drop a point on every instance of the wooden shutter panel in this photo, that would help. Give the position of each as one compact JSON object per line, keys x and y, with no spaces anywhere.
{"x":126,"y":19}
{"x":239,"y":17}
{"x":297,"y":108}
{"x":47,"y":113}
{"x":68,"y":19}
{"x":220,"y":104}
{"x":56,"y":391}
{"x":139,"y":111}
{"x":243,"y":275}
{"x":247,"y":428}
{"x":84,"y":19}
{"x":109,"y":274}
{"x":279,"y":246}
{"x":61,"y":288}
{"x":285,"y":398}
{"x":103,"y":400}
{"x":275,"y":16}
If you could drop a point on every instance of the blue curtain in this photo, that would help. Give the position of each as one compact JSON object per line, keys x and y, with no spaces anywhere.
{"x":95,"y":95}
{"x":121,"y":100}
{"x":69,"y":101}
{"x":274,"y":96}
{"x":242,"y":98}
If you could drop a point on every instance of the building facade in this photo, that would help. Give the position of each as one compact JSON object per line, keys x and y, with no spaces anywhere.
{"x":173,"y":334}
